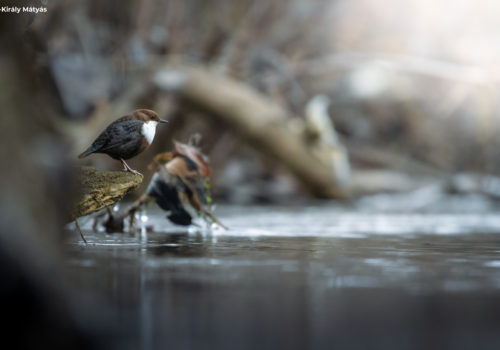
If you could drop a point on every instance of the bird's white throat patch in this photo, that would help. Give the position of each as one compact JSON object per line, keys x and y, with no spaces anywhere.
{"x":148,"y":131}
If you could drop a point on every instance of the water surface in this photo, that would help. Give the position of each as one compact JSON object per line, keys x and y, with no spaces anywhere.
{"x":317,"y":277}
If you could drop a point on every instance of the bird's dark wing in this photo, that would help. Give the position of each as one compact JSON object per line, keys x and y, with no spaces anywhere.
{"x":120,"y":133}
{"x":166,"y":195}
{"x":167,"y":198}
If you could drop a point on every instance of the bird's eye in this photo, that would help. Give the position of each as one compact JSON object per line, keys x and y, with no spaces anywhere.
{"x":151,"y":117}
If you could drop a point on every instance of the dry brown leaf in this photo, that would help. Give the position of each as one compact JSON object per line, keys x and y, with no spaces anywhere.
{"x":193,"y":154}
{"x":161,"y":158}
{"x":179,"y":167}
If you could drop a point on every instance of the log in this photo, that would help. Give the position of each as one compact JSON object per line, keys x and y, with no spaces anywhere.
{"x":255,"y":118}
{"x":98,"y":190}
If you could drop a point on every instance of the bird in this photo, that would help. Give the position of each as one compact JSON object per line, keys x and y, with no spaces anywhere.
{"x":126,"y":137}
{"x":182,"y":178}
{"x":167,"y":198}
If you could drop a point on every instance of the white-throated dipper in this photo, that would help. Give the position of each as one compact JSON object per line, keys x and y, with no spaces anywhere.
{"x":126,"y":137}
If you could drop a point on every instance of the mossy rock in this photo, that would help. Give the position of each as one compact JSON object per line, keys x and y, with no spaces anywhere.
{"x":98,"y":190}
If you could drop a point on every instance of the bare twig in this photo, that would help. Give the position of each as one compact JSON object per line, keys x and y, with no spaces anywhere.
{"x":79,"y":230}
{"x":256,"y":10}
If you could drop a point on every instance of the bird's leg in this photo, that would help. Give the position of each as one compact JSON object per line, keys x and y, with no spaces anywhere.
{"x":129,"y":169}
{"x":125,"y":166}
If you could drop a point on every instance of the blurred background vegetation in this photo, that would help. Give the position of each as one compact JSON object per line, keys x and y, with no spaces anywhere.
{"x":412,"y":84}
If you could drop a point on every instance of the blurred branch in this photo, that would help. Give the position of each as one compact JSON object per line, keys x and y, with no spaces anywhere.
{"x":256,"y":10}
{"x":416,"y":65}
{"x":255,"y":118}
{"x":380,"y":158}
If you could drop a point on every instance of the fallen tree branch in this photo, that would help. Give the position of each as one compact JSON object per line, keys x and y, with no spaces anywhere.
{"x":98,"y":190}
{"x":256,"y":119}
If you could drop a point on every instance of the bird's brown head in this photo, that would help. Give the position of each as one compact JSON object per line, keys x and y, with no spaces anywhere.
{"x":147,"y":116}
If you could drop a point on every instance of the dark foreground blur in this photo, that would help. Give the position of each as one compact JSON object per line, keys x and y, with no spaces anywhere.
{"x":321,"y":277}
{"x":413,"y":87}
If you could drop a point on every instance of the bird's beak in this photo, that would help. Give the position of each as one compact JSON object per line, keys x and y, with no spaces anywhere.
{"x":163,"y":121}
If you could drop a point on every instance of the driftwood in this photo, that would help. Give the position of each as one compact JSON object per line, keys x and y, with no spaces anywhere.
{"x":98,"y":190}
{"x":256,"y":119}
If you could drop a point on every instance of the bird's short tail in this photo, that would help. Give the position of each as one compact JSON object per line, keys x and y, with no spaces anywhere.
{"x":86,"y":153}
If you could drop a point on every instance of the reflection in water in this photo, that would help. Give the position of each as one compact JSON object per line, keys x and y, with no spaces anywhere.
{"x":286,"y":278}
